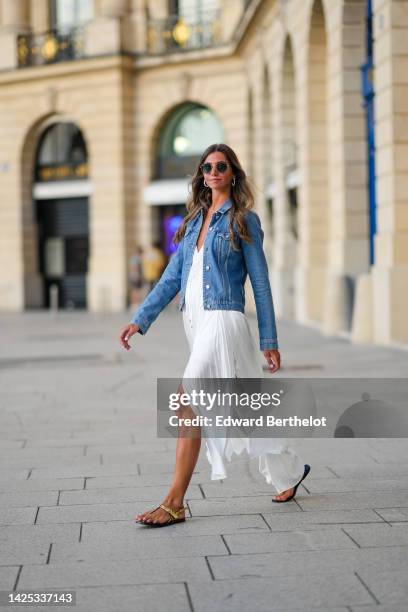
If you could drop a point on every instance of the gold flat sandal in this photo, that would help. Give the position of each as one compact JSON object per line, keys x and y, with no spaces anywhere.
{"x":174,"y":517}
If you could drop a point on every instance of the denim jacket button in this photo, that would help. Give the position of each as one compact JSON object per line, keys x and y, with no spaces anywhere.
{"x":207,"y":267}
{"x":207,"y":286}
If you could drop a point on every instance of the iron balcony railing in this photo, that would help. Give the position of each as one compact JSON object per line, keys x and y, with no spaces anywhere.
{"x":50,"y":47}
{"x":176,"y":34}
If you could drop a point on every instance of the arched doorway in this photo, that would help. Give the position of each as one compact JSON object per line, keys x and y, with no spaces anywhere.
{"x":60,"y":194}
{"x":186,"y":132}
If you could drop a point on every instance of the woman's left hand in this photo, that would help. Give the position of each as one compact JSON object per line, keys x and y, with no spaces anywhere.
{"x":273,"y":359}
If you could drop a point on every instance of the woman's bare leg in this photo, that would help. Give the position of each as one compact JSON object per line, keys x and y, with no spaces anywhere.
{"x":187,"y":451}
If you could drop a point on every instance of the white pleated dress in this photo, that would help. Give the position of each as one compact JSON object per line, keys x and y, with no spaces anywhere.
{"x":222,"y":346}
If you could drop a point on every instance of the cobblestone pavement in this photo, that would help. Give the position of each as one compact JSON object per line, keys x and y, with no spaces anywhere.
{"x":80,"y":458}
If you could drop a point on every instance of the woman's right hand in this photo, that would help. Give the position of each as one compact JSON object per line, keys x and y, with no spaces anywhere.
{"x":126,"y":333}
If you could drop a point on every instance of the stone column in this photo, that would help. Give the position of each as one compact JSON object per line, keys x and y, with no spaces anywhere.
{"x":347,"y":170}
{"x":14,"y":21}
{"x":134,"y":28}
{"x":284,"y":248}
{"x":39,"y":15}
{"x":231,"y":13}
{"x":104,"y":35}
{"x":390,"y":270}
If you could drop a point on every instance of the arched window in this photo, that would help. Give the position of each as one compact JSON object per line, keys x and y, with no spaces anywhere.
{"x":61,"y":153}
{"x":188,"y":132}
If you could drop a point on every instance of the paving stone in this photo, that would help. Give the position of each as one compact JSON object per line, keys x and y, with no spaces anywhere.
{"x":14,"y":474}
{"x":80,"y":441}
{"x":387,"y":586}
{"x":67,"y":533}
{"x":28,"y":498}
{"x":374,"y":471}
{"x":8,"y":577}
{"x":57,"y":462}
{"x":172,"y":597}
{"x":283,"y":593}
{"x":401,"y":607}
{"x":141,"y":548}
{"x":327,"y":538}
{"x":379,"y":535}
{"x":123,"y":530}
{"x":111,"y":572}
{"x":17,"y":516}
{"x":122,"y":494}
{"x":84,"y":471}
{"x":356,"y":484}
{"x":166,"y":468}
{"x":53,"y":484}
{"x":225,"y":489}
{"x":239,"y":505}
{"x":353,"y":500}
{"x":94,"y":512}
{"x":316,"y":561}
{"x":20,"y":552}
{"x":393,"y":514}
{"x":40,"y":455}
{"x":101,"y":482}
{"x":313,"y":519}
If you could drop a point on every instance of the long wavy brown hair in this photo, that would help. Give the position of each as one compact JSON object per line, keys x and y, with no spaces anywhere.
{"x":201,"y":196}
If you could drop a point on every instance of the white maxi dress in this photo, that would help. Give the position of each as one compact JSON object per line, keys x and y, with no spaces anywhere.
{"x":222,"y":346}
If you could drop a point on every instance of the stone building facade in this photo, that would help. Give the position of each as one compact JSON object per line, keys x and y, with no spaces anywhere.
{"x":104,"y":106}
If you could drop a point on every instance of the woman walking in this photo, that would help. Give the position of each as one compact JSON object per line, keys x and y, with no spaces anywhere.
{"x":220,"y":242}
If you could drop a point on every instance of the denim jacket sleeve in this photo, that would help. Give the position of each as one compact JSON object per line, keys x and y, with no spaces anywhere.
{"x":161,"y":294}
{"x":257,"y":268}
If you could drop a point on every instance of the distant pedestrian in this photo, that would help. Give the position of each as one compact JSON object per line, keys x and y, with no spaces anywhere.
{"x":136,"y":279}
{"x":153,"y":263}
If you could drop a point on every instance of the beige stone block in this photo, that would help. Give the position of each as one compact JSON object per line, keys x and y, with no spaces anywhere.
{"x":390,"y":288}
{"x":385,"y":191}
{"x":357,"y":224}
{"x":401,"y":187}
{"x":384,"y":133}
{"x":362,"y":328}
{"x":355,"y":198}
{"x":382,"y":48}
{"x":399,"y":42}
{"x":8,"y":50}
{"x":385,"y":160}
{"x":383,"y":246}
{"x":353,"y":35}
{"x":400,"y":99}
{"x":309,"y":285}
{"x":354,"y":127}
{"x":355,"y":173}
{"x":336,"y":305}
{"x":399,"y":14}
{"x":103,"y":36}
{"x":401,"y":157}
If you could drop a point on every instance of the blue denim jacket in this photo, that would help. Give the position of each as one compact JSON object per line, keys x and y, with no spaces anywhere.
{"x":224,"y":274}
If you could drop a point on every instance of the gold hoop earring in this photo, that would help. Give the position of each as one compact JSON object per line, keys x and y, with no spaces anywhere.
{"x":205,"y":184}
{"x":233,"y":181}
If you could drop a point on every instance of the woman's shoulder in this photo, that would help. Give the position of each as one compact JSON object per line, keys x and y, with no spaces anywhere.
{"x":252,"y":220}
{"x":251,"y":216}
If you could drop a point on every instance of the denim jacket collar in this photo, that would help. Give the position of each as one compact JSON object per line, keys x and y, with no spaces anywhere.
{"x":220,"y":211}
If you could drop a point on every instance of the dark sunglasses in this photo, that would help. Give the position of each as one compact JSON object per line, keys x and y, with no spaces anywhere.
{"x":220,"y":165}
